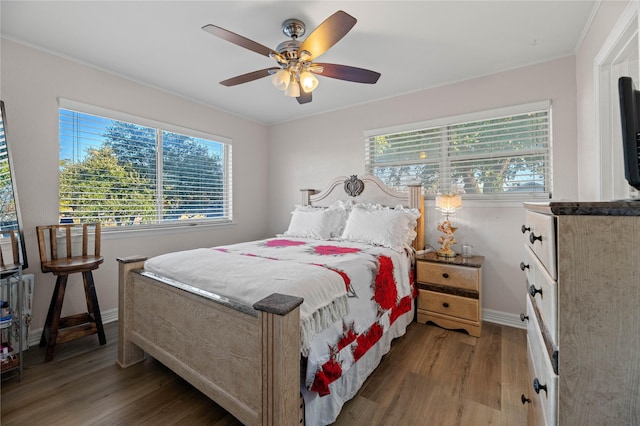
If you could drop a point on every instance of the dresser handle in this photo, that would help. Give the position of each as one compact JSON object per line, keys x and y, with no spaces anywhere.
{"x":445,"y":275}
{"x":523,"y":266}
{"x":533,"y":291}
{"x":525,"y":229}
{"x":533,"y":238}
{"x":538,"y":387}
{"x":524,"y":317}
{"x":524,"y":399}
{"x":445,"y":304}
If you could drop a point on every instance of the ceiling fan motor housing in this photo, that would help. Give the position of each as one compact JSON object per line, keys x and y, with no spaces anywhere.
{"x":289,"y":49}
{"x":293,"y":28}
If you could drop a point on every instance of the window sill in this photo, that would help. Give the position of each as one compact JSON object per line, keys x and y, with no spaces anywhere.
{"x":109,"y":233}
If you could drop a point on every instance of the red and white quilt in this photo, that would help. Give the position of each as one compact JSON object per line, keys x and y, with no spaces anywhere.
{"x":380,"y":288}
{"x":340,"y":353}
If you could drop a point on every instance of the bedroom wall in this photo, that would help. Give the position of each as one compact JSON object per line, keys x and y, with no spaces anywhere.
{"x":32,"y":80}
{"x":332,"y":144}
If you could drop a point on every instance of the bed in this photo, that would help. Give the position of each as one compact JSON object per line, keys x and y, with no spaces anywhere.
{"x":276,"y":361}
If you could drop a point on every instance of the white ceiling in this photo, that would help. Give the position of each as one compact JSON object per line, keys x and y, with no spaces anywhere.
{"x":413,"y":44}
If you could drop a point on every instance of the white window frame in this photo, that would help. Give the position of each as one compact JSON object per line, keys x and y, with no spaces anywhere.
{"x":161,"y":127}
{"x":444,"y":123}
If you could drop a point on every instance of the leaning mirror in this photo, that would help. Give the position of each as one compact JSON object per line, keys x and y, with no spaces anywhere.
{"x":9,"y":208}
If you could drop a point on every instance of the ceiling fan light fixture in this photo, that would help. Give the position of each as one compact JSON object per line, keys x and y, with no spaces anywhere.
{"x":281,"y":79}
{"x":304,"y":55}
{"x":278,"y":57}
{"x":308,"y":82}
{"x":293,"y":90}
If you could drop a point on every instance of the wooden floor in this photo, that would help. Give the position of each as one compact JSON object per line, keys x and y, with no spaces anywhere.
{"x":431,"y":377}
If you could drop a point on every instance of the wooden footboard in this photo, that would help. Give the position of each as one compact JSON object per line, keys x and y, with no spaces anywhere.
{"x":247,"y":360}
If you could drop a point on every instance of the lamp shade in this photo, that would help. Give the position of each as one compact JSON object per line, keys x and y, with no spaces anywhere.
{"x":308,"y":81}
{"x":448,"y":203}
{"x":293,"y":90}
{"x":281,"y":79}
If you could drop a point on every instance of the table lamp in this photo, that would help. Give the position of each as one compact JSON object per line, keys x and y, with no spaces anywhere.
{"x":447,"y":204}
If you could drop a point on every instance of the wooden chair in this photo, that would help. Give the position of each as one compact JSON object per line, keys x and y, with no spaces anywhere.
{"x":56,"y":329}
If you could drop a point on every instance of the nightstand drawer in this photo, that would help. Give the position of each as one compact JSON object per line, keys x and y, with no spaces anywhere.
{"x":449,"y":275}
{"x":449,"y":304}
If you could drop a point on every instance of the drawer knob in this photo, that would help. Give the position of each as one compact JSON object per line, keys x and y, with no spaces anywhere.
{"x":538,"y":387}
{"x":445,"y":275}
{"x":533,"y":291}
{"x":524,"y":399}
{"x":533,"y":238}
{"x":445,"y":304}
{"x":525,"y":229}
{"x":524,"y":317}
{"x":523,"y":266}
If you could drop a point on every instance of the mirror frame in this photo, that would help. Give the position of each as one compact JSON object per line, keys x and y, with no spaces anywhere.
{"x":23,"y":248}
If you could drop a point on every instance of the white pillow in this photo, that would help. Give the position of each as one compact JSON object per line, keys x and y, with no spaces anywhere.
{"x":342,"y":209}
{"x":318,"y":223}
{"x":393,"y":228}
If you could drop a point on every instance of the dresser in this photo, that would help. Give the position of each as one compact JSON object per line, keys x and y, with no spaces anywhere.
{"x":581,"y":262}
{"x":450,"y":291}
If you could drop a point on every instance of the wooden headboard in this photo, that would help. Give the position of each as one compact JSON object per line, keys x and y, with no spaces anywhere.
{"x":369,"y":189}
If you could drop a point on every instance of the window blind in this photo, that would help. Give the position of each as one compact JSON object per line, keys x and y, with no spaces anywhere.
{"x":500,"y":154}
{"x":123,"y":174}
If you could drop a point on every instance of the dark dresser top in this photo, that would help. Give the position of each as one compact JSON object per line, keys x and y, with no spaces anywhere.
{"x":587,"y":208}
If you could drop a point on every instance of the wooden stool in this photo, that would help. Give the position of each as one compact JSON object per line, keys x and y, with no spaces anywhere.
{"x":60,"y":330}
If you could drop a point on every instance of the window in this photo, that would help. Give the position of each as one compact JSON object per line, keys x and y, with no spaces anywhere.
{"x":136,"y":172}
{"x":496,"y":154}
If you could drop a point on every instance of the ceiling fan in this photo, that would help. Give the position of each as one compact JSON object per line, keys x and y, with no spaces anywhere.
{"x":295,"y":71}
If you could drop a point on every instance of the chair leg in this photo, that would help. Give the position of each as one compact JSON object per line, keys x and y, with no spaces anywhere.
{"x":92,"y":304}
{"x":47,"y":322}
{"x":54,"y":322}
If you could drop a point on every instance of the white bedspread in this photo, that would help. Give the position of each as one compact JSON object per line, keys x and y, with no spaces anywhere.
{"x":377,"y":281}
{"x":248,"y":279}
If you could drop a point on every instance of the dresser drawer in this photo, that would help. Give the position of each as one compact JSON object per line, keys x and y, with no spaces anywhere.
{"x":450,"y":275}
{"x":540,"y":236}
{"x":544,"y":292}
{"x":541,"y":372}
{"x":527,"y":262}
{"x":449,"y":304}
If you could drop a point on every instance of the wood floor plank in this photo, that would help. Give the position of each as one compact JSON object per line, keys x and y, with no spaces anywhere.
{"x":431,"y":376}
{"x":424,"y":401}
{"x":475,"y":413}
{"x":447,"y":360}
{"x":484,"y":382}
{"x":382,"y":386}
{"x":360,"y":411}
{"x":514,"y":374}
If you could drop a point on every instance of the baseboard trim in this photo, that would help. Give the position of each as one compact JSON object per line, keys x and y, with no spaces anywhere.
{"x":107,"y":316}
{"x":503,"y":318}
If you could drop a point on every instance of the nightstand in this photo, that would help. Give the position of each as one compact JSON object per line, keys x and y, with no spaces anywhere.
{"x":450,"y":291}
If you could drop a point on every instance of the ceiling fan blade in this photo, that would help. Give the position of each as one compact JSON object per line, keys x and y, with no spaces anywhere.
{"x":245,"y":78}
{"x":237,"y":39}
{"x":304,"y":97}
{"x":345,"y":72}
{"x":327,"y":34}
